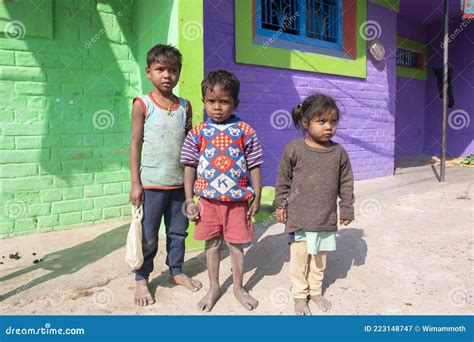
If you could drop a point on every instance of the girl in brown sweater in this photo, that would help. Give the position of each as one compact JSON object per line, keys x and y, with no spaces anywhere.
{"x":313,"y":173}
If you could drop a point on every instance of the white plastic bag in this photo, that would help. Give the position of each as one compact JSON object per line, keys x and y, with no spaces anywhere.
{"x":134,"y":253}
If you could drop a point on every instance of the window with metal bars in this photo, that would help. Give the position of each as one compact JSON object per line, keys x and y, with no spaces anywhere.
{"x":313,"y":22}
{"x":408,"y":58}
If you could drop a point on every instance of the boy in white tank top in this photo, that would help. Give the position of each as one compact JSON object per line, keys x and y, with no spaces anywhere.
{"x":160,"y":122}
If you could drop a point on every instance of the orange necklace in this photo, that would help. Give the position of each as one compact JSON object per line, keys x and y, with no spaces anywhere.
{"x":168,"y":108}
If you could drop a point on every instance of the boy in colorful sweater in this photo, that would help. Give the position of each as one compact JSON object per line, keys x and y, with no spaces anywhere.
{"x":222,"y":149}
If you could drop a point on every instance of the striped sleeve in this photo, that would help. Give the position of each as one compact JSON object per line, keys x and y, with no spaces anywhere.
{"x":190,"y":151}
{"x":253,"y":150}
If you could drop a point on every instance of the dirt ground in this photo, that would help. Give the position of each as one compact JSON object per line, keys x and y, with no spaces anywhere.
{"x":409,"y":252}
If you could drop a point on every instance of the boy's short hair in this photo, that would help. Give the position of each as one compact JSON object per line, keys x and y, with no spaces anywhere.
{"x":166,"y":54}
{"x":225,"y":79}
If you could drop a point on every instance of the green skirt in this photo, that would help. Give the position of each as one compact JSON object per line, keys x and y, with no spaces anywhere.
{"x":317,"y":241}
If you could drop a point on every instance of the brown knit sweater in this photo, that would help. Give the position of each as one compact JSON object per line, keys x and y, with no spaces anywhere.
{"x":309,"y":181}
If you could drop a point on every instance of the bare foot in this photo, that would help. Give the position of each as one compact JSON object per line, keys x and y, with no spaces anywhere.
{"x":322,"y":302}
{"x":301,"y":307}
{"x":211,"y":297}
{"x":142,"y":294}
{"x":184,"y":280}
{"x":245,"y":299}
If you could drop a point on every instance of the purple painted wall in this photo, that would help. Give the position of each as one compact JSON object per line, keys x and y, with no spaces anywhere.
{"x":428,"y":11}
{"x":410,"y":100}
{"x":368,"y":105}
{"x":410,"y":117}
{"x":411,"y":29}
{"x":460,"y":131}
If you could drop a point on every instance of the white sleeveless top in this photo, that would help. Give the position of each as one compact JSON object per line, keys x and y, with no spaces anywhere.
{"x":163,"y":135}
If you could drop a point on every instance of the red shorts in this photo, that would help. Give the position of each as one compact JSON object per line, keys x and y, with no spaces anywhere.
{"x":227,"y":219}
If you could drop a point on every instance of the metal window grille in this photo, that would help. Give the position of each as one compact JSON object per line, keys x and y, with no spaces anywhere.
{"x":408,"y":58}
{"x":321,"y":20}
{"x":279,"y":14}
{"x":303,"y":21}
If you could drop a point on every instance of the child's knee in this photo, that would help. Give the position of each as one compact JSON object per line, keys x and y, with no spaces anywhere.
{"x":214,"y":243}
{"x":149,"y":243}
{"x":178,"y":233}
{"x":235,"y":247}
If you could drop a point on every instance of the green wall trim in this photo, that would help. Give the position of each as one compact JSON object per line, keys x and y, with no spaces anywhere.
{"x":191,"y":45}
{"x":393,"y":5}
{"x":412,"y":45}
{"x":247,"y":52}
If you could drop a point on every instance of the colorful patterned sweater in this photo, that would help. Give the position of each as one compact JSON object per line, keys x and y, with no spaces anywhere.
{"x":222,"y":153}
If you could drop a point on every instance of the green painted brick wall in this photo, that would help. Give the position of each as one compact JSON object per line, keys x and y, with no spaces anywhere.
{"x":68,"y":72}
{"x":65,"y":112}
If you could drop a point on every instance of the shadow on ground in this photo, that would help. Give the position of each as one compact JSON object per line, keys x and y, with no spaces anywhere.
{"x":351,"y":250}
{"x":267,"y":255}
{"x":70,"y":260}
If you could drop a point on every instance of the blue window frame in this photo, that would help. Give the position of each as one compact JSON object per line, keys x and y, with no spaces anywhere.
{"x":311,"y":22}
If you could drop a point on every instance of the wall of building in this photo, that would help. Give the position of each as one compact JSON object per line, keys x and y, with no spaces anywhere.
{"x":368,"y":109}
{"x":65,"y":116}
{"x":69,"y":70}
{"x":154,"y":29}
{"x":460,"y":128}
{"x":410,"y":100}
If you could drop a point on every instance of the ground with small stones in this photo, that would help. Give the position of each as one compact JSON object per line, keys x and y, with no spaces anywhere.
{"x":409,"y":252}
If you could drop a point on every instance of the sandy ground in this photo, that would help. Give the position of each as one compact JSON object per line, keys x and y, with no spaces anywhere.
{"x":409,"y":252}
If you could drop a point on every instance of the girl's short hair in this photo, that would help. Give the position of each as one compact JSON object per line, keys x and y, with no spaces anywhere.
{"x":225,"y":79}
{"x":166,"y":54}
{"x":316,"y":105}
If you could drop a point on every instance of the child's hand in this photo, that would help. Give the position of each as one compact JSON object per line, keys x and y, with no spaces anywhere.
{"x":281,"y":215}
{"x":345,"y":222}
{"x":136,"y":194}
{"x":253,"y":209}
{"x":192,"y":210}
